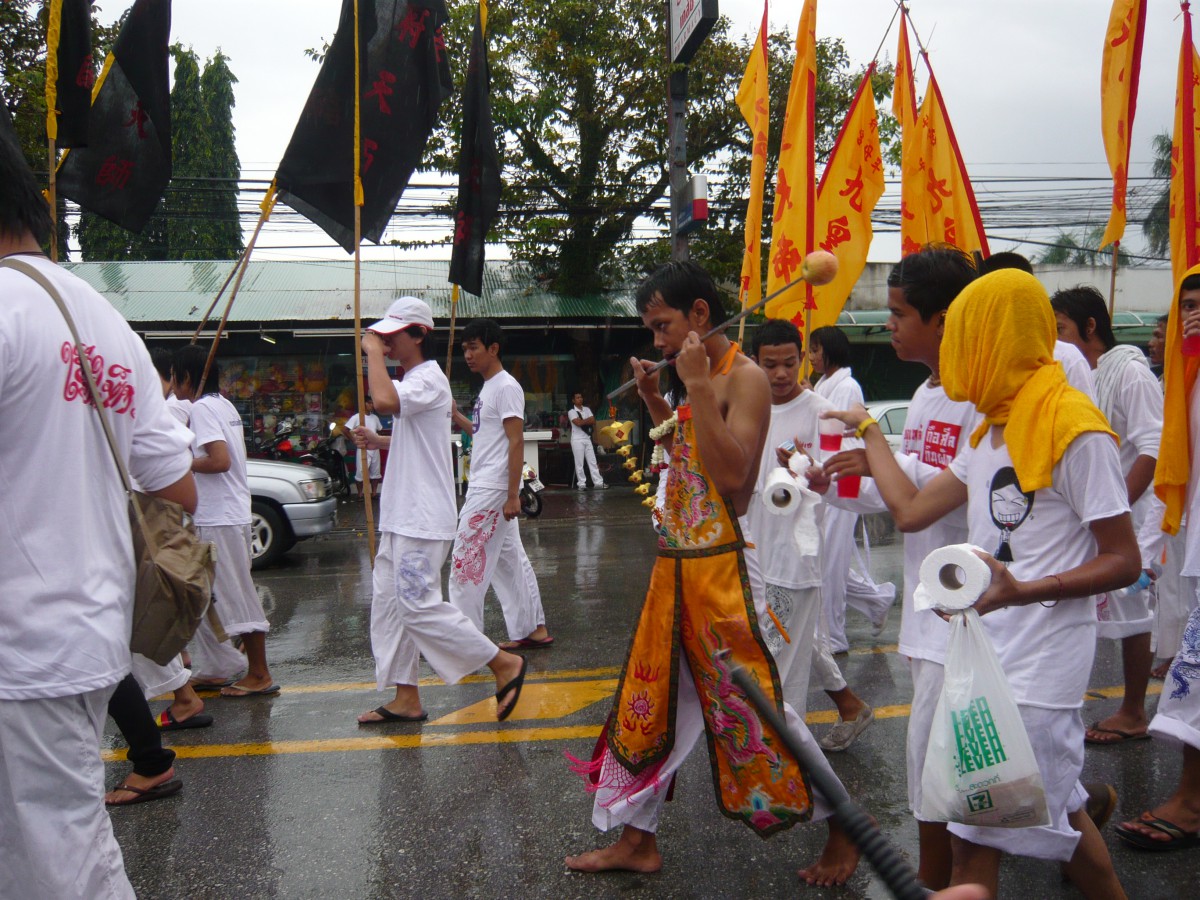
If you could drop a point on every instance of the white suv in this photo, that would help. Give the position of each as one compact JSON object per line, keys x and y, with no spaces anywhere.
{"x":288,"y":502}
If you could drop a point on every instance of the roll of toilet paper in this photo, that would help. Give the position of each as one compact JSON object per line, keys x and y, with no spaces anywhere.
{"x":952,"y":578}
{"x":781,"y":494}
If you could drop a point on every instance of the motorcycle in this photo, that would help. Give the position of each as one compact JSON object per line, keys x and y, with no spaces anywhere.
{"x":324,"y":455}
{"x":276,"y":446}
{"x":531,"y":487}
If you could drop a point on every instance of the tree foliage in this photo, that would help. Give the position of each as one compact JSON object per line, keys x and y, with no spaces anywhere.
{"x":1156,"y":226}
{"x":579,"y":100}
{"x":1081,"y":249}
{"x":197,"y":218}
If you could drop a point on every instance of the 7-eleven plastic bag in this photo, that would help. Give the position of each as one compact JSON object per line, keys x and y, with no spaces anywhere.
{"x":979,"y":768}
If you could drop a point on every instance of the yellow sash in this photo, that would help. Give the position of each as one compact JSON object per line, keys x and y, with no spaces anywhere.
{"x":699,"y":603}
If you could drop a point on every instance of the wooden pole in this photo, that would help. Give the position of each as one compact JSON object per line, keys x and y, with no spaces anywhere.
{"x":217,"y":299}
{"x":453,"y":321}
{"x":52,"y":194}
{"x":1112,"y":281}
{"x":358,"y":202}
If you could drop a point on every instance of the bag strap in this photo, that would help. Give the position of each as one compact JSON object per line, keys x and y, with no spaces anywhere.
{"x":48,"y":286}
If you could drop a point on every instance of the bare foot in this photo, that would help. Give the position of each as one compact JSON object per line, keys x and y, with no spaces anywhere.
{"x":1185,"y":818}
{"x":185,"y":705}
{"x":508,"y":668}
{"x":121,"y":798}
{"x":838,"y":861}
{"x":539,"y":637}
{"x":1116,"y":728}
{"x":404,"y":710}
{"x":249,"y":686}
{"x":1160,"y":671}
{"x":635,"y":851}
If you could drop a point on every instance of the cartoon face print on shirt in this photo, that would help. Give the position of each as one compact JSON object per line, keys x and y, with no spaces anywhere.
{"x":1010,"y":507}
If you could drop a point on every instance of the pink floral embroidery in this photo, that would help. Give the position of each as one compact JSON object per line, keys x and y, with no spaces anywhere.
{"x":470,"y":550}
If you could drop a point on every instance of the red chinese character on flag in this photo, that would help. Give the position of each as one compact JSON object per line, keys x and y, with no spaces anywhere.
{"x":85,"y":77}
{"x":462,"y":228}
{"x":786,"y":259}
{"x":937,"y":190}
{"x":115,"y":171}
{"x":853,"y":190}
{"x":948,"y":228}
{"x":412,"y":26}
{"x":139,"y":117}
{"x":368,"y":148}
{"x":837,"y":233}
{"x":439,"y":44}
{"x":783,"y":196}
{"x":381,"y":88}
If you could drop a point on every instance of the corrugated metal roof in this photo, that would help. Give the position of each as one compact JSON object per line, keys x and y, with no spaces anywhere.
{"x":323,"y":291}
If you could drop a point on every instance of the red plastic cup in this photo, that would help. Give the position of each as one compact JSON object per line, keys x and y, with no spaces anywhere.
{"x":1191,"y":345}
{"x":830,"y":436}
{"x":831,"y":443}
{"x":849,"y":485}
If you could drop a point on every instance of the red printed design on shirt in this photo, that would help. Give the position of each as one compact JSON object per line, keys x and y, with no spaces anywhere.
{"x":940,"y":444}
{"x":112,"y":381}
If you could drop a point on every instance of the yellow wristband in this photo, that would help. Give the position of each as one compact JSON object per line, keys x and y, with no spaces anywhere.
{"x":862,"y":429}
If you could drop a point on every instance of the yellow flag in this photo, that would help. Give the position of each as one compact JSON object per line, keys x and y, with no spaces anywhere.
{"x":946,"y":200}
{"x":753,"y":98}
{"x":1119,"y":70}
{"x":1184,"y":227}
{"x":850,"y":188}
{"x":904,"y":108}
{"x":792,"y":232}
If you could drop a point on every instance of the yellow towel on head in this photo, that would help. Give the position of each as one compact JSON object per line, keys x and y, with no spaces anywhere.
{"x":1174,"y":453}
{"x":998,"y":353}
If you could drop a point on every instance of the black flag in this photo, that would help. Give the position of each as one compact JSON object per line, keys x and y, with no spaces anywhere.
{"x":122,"y":173}
{"x":478,"y":170}
{"x":69,"y":50}
{"x":405,"y":78}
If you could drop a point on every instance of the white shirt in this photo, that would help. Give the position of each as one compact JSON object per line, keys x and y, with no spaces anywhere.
{"x":224,"y":497}
{"x":781,"y":561}
{"x":1191,"y":552}
{"x":840,"y":388}
{"x":372,"y":422}
{"x":502,"y":398}
{"x":66,"y":563}
{"x":1046,"y":650}
{"x":418,"y":487}
{"x":1078,"y":372}
{"x":578,"y":435}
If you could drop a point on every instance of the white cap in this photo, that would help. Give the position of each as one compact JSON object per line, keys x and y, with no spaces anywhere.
{"x":402,"y":313}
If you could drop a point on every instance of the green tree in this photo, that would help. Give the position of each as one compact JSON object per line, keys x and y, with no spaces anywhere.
{"x":197,"y":218}
{"x":1156,"y":226}
{"x":1081,"y":249}
{"x":579,"y":100}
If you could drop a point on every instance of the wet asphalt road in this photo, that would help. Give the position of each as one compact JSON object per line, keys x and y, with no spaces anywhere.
{"x":290,"y":798}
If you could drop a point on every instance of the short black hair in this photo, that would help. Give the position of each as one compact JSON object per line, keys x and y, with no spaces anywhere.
{"x":425,"y":336}
{"x":1005,"y":260}
{"x":23,"y":209}
{"x":932,"y":277}
{"x":188,"y":365}
{"x":1082,"y":303}
{"x":776,"y":333}
{"x":486,"y":331}
{"x":679,"y":284}
{"x":834,"y":344}
{"x":1191,"y":283}
{"x":162,"y":359}
{"x":1163,"y":319}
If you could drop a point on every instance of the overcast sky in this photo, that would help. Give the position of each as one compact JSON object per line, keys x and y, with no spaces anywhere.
{"x":1020,"y":78}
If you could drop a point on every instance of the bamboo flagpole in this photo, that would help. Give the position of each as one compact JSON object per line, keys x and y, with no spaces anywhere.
{"x":1112,"y":280}
{"x":454,"y":291}
{"x":358,"y":353}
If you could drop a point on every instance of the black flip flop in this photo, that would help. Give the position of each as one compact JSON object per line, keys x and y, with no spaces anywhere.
{"x":1178,"y":839}
{"x":167,"y":788}
{"x":167,"y":722}
{"x":514,"y":688}
{"x":386,"y":716}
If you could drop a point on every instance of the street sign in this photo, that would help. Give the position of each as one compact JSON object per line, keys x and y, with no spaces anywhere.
{"x":690,"y":22}
{"x":693,"y":212}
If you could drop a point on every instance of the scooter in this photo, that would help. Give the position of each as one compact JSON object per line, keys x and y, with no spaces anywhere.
{"x":531,"y":487}
{"x":278,"y":446}
{"x":325,"y":456}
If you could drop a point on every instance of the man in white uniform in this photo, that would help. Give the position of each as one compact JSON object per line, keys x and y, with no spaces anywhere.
{"x":67,"y":566}
{"x":416,"y":516}
{"x":582,"y":421}
{"x":829,"y":355}
{"x":1129,"y":396}
{"x":223,"y":517}
{"x":488,"y":548}
{"x":373,"y":461}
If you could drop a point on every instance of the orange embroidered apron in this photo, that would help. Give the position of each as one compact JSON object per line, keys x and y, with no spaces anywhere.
{"x":699,"y":603}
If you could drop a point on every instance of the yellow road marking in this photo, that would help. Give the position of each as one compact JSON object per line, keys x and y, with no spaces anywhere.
{"x":538,"y":701}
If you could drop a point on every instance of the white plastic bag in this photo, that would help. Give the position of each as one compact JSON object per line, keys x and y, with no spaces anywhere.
{"x":979,"y":768}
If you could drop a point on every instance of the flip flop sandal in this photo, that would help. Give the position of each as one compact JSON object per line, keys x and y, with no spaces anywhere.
{"x":1179,"y":839}
{"x":1101,"y":803}
{"x":513,"y":688}
{"x":526,"y":644}
{"x":1122,"y":737}
{"x":386,"y":716}
{"x":269,"y":691}
{"x":167,"y":722}
{"x":144,"y":795}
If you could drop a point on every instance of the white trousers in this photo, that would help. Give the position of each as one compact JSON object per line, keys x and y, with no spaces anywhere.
{"x":235,"y":601}
{"x":410,"y":619}
{"x":56,"y":840}
{"x":643,"y":808}
{"x":927,"y":677}
{"x":584,"y":450}
{"x":155,"y":679}
{"x":488,"y":551}
{"x":1174,"y":598}
{"x":1178,"y":716}
{"x":798,"y":609}
{"x":826,"y":674}
{"x":842,"y":586}
{"x":373,"y":466}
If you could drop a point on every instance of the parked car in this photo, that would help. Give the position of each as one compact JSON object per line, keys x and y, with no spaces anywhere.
{"x":288,"y":502}
{"x":891,"y":415}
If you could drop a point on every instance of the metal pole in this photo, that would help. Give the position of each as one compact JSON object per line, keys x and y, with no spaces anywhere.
{"x":677,"y":156}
